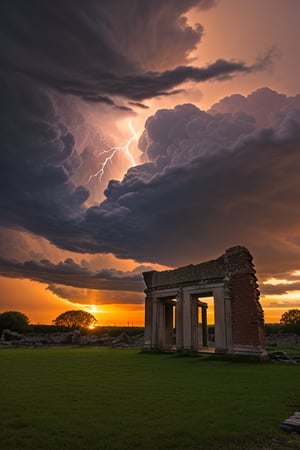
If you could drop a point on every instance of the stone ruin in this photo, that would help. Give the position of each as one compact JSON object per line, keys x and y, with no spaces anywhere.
{"x":176,"y":310}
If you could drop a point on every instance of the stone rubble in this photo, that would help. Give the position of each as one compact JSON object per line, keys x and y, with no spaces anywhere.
{"x":280,"y":356}
{"x":282,"y":340}
{"x":12,"y":338}
{"x":292,"y":424}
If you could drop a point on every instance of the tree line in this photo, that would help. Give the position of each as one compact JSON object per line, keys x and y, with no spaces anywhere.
{"x":83,"y":320}
{"x":69,"y":320}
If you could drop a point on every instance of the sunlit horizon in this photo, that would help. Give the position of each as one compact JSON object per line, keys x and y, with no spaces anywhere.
{"x":116,"y":314}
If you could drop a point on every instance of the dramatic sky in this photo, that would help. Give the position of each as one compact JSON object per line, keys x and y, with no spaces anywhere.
{"x":145,"y":134}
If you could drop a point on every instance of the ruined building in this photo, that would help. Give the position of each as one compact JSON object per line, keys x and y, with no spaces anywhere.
{"x":176,"y":306}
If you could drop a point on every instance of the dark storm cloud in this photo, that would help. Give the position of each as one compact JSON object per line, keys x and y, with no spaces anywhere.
{"x":262,"y":105}
{"x":84,"y":297}
{"x":211,"y":181}
{"x":152,"y":84}
{"x":91,"y":45}
{"x":139,"y":105}
{"x":98,"y":50}
{"x":72,"y":274}
{"x":208,"y":180}
{"x":279,"y":289}
{"x":37,"y":157}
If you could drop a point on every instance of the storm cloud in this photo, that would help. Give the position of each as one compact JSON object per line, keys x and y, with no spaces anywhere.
{"x":206,"y":181}
{"x":83,"y":296}
{"x":92,"y":50}
{"x":88,"y":50}
{"x":72,"y":274}
{"x":211,"y":181}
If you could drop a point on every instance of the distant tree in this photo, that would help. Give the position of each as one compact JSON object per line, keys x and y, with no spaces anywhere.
{"x":75,"y":319}
{"x":14,"y":321}
{"x":291,"y":317}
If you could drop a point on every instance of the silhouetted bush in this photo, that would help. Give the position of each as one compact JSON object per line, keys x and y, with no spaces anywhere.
{"x":292,"y":328}
{"x":14,"y":321}
{"x":273,"y":328}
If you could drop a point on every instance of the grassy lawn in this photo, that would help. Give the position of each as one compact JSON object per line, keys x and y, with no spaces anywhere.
{"x":89,"y":398}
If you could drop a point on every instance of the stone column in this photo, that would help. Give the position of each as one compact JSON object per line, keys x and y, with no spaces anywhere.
{"x":179,"y":320}
{"x":187,"y":321}
{"x":161,"y":324}
{"x":154,"y":340}
{"x":204,"y":326}
{"x":228,"y":315}
{"x":220,"y":323}
{"x":148,"y":321}
{"x":168,"y":325}
{"x":194,"y":324}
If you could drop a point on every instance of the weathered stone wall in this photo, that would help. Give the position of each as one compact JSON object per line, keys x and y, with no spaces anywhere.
{"x":235,"y":260}
{"x":208,"y":271}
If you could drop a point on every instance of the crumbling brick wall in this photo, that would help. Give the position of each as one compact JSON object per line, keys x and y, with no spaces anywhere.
{"x":247,"y":313}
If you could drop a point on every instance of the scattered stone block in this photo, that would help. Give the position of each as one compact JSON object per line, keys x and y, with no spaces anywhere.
{"x":279,"y":356}
{"x":292,"y":424}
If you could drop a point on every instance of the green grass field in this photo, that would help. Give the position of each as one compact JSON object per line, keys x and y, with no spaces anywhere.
{"x":90,"y":398}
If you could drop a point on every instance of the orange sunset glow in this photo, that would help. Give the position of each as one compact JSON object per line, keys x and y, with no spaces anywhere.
{"x":129,"y":148}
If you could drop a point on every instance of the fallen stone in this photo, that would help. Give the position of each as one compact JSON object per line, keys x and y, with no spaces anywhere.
{"x":292,"y":424}
{"x":11,"y":338}
{"x":8,"y":335}
{"x":282,"y":357}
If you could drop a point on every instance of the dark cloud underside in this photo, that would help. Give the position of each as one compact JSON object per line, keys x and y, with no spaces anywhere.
{"x":102,"y":50}
{"x":72,"y":274}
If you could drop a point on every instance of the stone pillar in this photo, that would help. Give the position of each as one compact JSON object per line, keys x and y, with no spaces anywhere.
{"x":148,"y":321}
{"x":187,"y":321}
{"x":161,"y":324}
{"x":204,"y":326}
{"x":154,"y":340}
{"x":168,"y":325}
{"x":194,"y":323}
{"x":200,"y":335}
{"x":179,"y":320}
{"x":228,"y":315}
{"x":220,"y":323}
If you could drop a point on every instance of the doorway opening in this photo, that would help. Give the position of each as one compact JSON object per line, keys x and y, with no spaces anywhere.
{"x":206,"y":320}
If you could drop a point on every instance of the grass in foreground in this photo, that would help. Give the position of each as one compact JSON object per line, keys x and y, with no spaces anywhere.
{"x":92,"y":399}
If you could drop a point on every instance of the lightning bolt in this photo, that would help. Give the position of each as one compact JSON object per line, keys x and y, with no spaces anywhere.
{"x":112,"y":152}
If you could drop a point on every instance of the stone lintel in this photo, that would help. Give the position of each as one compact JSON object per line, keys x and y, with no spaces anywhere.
{"x":235,"y":260}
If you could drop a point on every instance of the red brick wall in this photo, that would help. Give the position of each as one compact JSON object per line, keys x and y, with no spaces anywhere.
{"x":247,"y":314}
